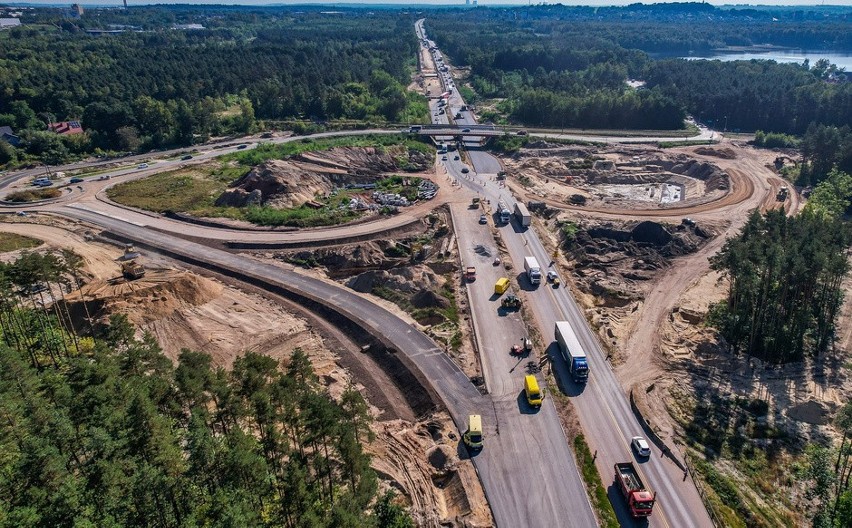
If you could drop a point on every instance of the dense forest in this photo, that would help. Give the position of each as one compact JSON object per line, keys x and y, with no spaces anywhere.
{"x":148,"y":84}
{"x":785,"y":276}
{"x":103,"y":430}
{"x":567,"y":66}
{"x":160,"y":86}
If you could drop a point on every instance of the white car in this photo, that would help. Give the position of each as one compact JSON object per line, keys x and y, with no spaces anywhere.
{"x":640,"y":446}
{"x":142,"y":166}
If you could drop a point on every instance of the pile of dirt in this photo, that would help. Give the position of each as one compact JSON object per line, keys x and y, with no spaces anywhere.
{"x":415,"y":286}
{"x":156,"y":296}
{"x":724,"y":153}
{"x":295,"y":181}
{"x":612,"y":259}
{"x":344,"y":261}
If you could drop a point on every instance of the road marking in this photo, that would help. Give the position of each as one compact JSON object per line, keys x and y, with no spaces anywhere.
{"x":115,"y":217}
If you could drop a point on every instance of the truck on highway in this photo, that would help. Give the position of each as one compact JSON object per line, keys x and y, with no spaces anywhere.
{"x":640,"y":501}
{"x":533,"y":270}
{"x":575,"y":356}
{"x":522,"y":214}
{"x":503,"y":213}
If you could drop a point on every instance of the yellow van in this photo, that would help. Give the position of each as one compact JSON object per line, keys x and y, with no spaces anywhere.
{"x":534,"y":395}
{"x":473,"y":436}
{"x":501,"y":286}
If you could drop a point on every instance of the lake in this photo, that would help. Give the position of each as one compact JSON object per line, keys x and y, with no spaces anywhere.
{"x":840,"y":58}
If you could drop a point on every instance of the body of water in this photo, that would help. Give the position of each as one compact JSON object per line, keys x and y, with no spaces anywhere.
{"x":841,"y":59}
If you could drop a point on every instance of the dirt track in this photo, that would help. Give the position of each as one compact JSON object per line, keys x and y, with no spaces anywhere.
{"x":754,"y":186}
{"x":742,"y":189}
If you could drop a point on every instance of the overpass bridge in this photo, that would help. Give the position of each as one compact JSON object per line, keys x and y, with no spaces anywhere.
{"x":459,"y":131}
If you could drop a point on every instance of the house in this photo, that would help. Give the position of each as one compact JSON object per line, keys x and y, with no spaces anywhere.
{"x":7,"y":135}
{"x":9,"y":22}
{"x":187,"y":26}
{"x":66,"y":127}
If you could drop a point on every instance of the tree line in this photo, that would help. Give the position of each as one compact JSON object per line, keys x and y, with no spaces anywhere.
{"x":554,"y":64}
{"x":162,"y":87}
{"x":785,"y":276}
{"x":103,"y":430}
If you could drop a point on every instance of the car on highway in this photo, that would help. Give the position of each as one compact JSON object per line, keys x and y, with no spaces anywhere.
{"x":75,"y":180}
{"x":483,"y":219}
{"x":466,"y":130}
{"x":187,"y":157}
{"x":241,"y":147}
{"x":443,"y":158}
{"x":21,"y":213}
{"x":465,"y":170}
{"x":640,"y":446}
{"x":455,"y":157}
{"x":142,"y":166}
{"x":553,"y":277}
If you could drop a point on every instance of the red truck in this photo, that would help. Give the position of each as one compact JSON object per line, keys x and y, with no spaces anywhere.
{"x":640,"y":501}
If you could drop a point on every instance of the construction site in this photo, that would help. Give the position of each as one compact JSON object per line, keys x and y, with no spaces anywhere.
{"x":642,"y":224}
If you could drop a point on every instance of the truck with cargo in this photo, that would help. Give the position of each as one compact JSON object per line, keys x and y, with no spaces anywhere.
{"x":522,"y":214}
{"x":533,"y":270}
{"x":575,"y":356}
{"x":640,"y":501}
{"x":503,"y":213}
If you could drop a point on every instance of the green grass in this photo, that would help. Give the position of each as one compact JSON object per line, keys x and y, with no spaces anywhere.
{"x":168,"y":191}
{"x":14,"y":242}
{"x":269,"y":151}
{"x":298,"y":217}
{"x":32,"y":195}
{"x":594,"y":484}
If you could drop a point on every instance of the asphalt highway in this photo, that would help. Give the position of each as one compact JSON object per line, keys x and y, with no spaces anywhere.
{"x":602,"y":405}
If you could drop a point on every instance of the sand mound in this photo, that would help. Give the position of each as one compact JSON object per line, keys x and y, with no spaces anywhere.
{"x":156,"y":296}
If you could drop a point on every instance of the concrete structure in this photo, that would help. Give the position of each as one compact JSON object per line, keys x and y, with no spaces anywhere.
{"x":6,"y":23}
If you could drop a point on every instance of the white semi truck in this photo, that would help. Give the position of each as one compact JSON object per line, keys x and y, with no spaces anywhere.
{"x":533,"y":270}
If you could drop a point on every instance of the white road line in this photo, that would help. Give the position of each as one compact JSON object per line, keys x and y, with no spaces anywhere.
{"x":115,"y":217}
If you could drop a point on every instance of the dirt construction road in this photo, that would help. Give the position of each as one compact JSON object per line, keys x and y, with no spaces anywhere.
{"x":748,"y":170}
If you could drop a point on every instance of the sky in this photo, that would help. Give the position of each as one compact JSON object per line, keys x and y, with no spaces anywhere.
{"x":431,"y":2}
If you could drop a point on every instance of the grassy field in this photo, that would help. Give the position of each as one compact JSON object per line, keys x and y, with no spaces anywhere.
{"x":14,"y":242}
{"x":181,"y":191}
{"x":32,"y":195}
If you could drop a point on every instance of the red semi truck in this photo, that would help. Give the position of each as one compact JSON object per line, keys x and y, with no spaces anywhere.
{"x":640,"y":501}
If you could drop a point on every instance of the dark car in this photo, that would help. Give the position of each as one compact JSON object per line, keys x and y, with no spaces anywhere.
{"x":465,"y":170}
{"x":241,"y":147}
{"x":466,"y":130}
{"x":187,"y":157}
{"x":75,"y":180}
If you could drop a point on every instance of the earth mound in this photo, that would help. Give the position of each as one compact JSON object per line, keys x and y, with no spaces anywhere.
{"x":156,"y":296}
{"x":298,"y":180}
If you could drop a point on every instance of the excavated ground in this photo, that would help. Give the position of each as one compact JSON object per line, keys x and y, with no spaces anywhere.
{"x":414,"y":277}
{"x":301,"y":179}
{"x":614,"y":178}
{"x":413,"y":452}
